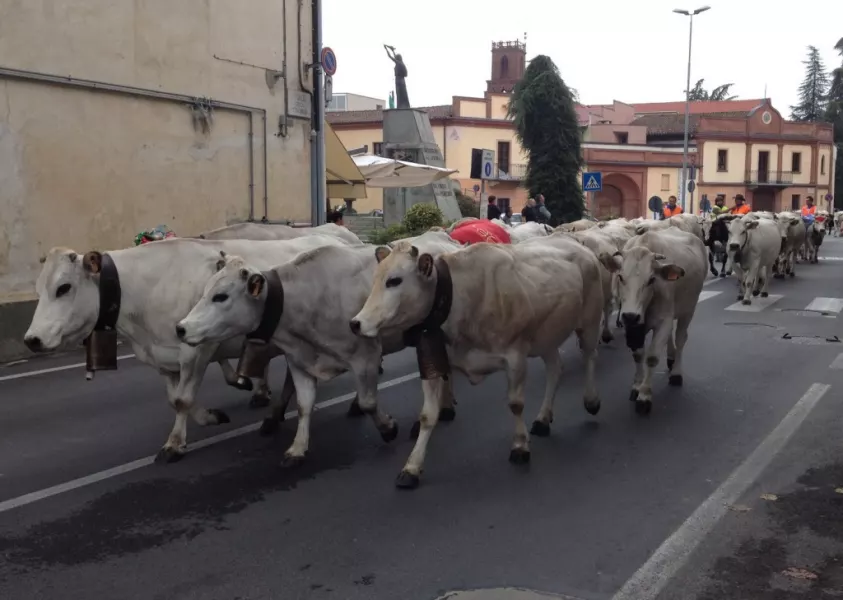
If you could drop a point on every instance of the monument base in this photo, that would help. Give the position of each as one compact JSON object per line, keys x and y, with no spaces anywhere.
{"x":407,"y":135}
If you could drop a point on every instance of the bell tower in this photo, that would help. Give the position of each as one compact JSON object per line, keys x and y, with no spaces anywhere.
{"x":509,"y":60}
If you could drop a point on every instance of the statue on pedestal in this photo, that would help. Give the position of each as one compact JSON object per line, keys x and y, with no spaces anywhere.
{"x":401,"y":98}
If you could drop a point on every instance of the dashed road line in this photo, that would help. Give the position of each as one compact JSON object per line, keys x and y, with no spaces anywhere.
{"x":758,"y":304}
{"x":87,"y":480}
{"x":834,"y":305}
{"x":53,"y":369}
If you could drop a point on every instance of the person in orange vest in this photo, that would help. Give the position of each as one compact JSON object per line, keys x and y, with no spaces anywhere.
{"x":671,"y":209}
{"x":740,"y":207}
{"x":809,"y":208}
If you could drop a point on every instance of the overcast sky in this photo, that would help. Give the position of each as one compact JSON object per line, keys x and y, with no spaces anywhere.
{"x":606,"y":49}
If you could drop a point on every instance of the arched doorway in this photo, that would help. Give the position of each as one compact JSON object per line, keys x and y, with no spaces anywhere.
{"x":621,"y":197}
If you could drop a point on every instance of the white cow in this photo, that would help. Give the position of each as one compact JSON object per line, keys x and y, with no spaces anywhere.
{"x":159,"y":283}
{"x":268,"y":231}
{"x":754,"y":245}
{"x":792,"y":230}
{"x":525,"y":231}
{"x":814,"y":236}
{"x":690,"y":223}
{"x":838,"y":223}
{"x":661,"y":275}
{"x":580,"y":225}
{"x":497,"y":305}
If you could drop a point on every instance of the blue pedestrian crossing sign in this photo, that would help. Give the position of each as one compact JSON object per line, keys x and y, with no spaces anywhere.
{"x":592,"y":182}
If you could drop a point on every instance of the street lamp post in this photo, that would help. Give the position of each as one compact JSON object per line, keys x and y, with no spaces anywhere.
{"x":690,"y":15}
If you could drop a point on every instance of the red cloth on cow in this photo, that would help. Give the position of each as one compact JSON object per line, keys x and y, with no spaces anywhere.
{"x":481,"y":230}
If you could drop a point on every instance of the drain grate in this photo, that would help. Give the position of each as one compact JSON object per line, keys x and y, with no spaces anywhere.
{"x":811,"y":339}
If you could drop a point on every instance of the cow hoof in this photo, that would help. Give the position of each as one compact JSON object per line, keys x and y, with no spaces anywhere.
{"x":243,"y":383}
{"x":746,"y":302}
{"x":792,"y":274}
{"x":389,"y":434}
{"x":167,"y":456}
{"x":519,"y":456}
{"x":259,"y":401}
{"x":607,"y":337}
{"x":643,"y":407}
{"x":633,"y":395}
{"x":447,"y":414}
{"x":406,"y":481}
{"x":755,"y":293}
{"x":269,"y":426}
{"x":722,"y":274}
{"x":354,"y":410}
{"x":675,"y":380}
{"x":714,"y":273}
{"x":220,"y":417}
{"x":592,"y":405}
{"x":728,"y":273}
{"x":670,"y":362}
{"x":765,"y":294}
{"x":292,"y":461}
{"x":380,"y":370}
{"x":540,"y":429}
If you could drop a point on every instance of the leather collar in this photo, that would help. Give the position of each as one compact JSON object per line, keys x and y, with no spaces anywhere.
{"x":441,"y":309}
{"x":272,"y":308}
{"x":110,"y":295}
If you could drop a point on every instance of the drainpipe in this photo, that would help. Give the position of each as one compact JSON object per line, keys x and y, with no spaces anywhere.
{"x":318,"y":148}
{"x":138,"y":92}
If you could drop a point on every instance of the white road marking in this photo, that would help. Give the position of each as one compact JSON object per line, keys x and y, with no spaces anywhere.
{"x":837,"y":363}
{"x":758,"y":303}
{"x":834,"y":305}
{"x":650,"y":580}
{"x":53,"y":370}
{"x":705,"y":295}
{"x":830,"y":257}
{"x":87,"y":480}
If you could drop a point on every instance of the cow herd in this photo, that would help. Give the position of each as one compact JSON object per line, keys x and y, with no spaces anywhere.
{"x":331,"y":304}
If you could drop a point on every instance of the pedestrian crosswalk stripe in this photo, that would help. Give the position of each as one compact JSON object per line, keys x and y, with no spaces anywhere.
{"x":830,"y":257}
{"x":758,"y":304}
{"x":834,"y":305}
{"x":706,"y":294}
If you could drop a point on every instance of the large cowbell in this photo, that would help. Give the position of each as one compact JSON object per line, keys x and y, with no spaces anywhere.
{"x":254,"y":359}
{"x":101,"y":351}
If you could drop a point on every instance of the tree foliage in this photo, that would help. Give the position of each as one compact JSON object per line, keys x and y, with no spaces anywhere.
{"x":546,"y":124}
{"x":834,"y":115}
{"x":721,"y":92}
{"x":813,"y":93}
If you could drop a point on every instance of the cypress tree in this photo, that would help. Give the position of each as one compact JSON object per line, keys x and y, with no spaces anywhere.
{"x":813,"y":93}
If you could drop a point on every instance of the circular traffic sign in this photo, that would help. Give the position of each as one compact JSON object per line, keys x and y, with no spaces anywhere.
{"x":329,"y":61}
{"x":487,"y":168}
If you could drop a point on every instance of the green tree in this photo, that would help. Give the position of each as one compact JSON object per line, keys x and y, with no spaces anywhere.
{"x":546,"y":124}
{"x":721,"y":92}
{"x":834,"y":115}
{"x":813,"y":93}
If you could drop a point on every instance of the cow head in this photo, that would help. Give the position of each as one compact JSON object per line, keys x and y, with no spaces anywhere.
{"x":68,"y":300}
{"x":639,"y":271}
{"x":739,"y":230}
{"x":231,"y":305}
{"x":402,"y":291}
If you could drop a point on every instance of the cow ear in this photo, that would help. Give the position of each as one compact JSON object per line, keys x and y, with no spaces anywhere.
{"x":221,"y":261}
{"x":414,"y":252}
{"x":611,"y":261}
{"x":254,"y":285}
{"x":658,"y":256}
{"x":381,"y":252}
{"x":752,"y":224}
{"x":425,"y":264}
{"x":92,"y":262}
{"x":671,"y":272}
{"x":72,"y":257}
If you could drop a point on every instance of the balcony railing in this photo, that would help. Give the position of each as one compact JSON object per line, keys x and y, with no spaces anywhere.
{"x":769,"y":177}
{"x":515,"y":173}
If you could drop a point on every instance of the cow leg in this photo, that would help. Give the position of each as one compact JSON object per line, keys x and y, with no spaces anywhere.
{"x":678,"y":345}
{"x":516,"y":374}
{"x":263,"y":396}
{"x":607,"y":335}
{"x":366,"y":374}
{"x":181,"y":392}
{"x":260,"y":398}
{"x":553,"y":371}
{"x":711,"y":262}
{"x":447,"y":412}
{"x":231,"y":378}
{"x":658,"y":346}
{"x":432,"y":391}
{"x":749,"y":280}
{"x":271,"y":423}
{"x":764,"y":281}
{"x":306,"y":399}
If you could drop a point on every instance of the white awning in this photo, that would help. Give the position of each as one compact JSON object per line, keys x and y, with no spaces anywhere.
{"x":383,"y":172}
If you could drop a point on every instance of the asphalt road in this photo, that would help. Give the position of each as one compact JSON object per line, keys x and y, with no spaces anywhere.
{"x":759,"y":414}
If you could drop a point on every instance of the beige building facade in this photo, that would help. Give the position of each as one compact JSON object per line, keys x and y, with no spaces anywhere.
{"x":119,"y":116}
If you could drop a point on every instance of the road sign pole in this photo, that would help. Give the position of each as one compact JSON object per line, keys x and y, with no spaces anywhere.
{"x":484,"y":200}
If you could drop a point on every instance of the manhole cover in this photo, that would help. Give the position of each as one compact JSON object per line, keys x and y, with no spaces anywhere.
{"x":811,"y":340}
{"x":808,"y":312}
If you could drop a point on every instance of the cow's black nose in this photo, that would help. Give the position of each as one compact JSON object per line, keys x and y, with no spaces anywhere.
{"x":631,"y":318}
{"x":180,"y":332}
{"x":355,"y":326}
{"x":734,"y":246}
{"x":33,"y":343}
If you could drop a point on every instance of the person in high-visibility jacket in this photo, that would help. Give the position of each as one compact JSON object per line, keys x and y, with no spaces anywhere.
{"x":719,"y":207}
{"x":810,"y":208}
{"x":740,"y":207}
{"x":671,"y":209}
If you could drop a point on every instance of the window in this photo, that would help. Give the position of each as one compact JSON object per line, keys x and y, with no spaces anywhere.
{"x":666,"y":183}
{"x":503,"y":157}
{"x":822,"y":165}
{"x":622,"y":137}
{"x":377,"y":148}
{"x":796,"y":162}
{"x":504,"y":67}
{"x":795,"y":202}
{"x":503,"y":204}
{"x":722,"y":161}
